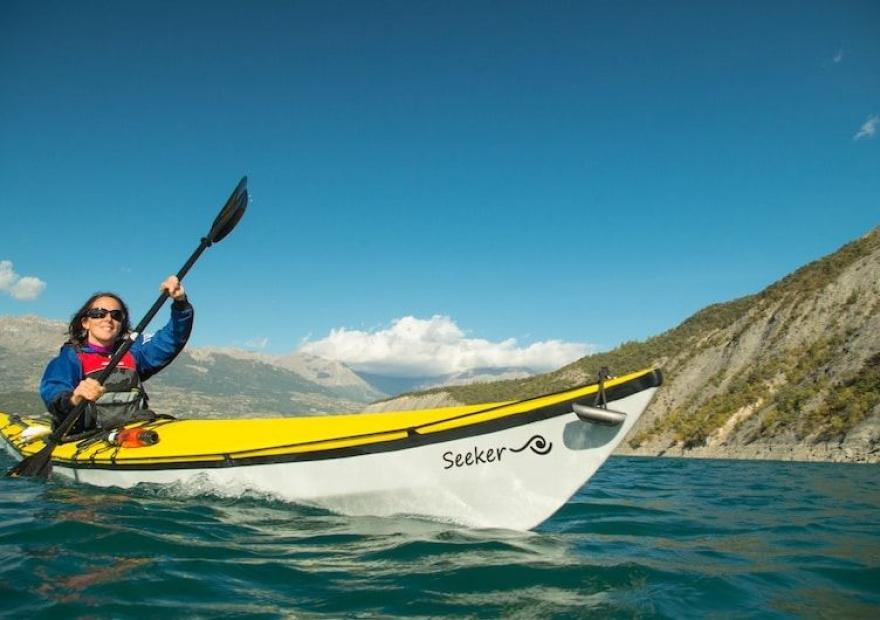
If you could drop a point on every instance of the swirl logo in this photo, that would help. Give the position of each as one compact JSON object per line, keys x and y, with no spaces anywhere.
{"x":537,"y":444}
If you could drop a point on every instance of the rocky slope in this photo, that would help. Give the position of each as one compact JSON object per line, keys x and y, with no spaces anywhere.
{"x":26,"y":344}
{"x":792,"y":372}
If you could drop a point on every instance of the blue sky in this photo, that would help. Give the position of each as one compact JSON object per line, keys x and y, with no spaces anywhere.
{"x":583,"y":173}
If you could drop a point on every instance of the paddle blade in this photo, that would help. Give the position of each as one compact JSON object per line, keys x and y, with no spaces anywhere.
{"x":230,"y":214}
{"x":37,"y":465}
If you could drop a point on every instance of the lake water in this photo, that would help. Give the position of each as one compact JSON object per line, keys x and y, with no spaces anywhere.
{"x":646,"y":538}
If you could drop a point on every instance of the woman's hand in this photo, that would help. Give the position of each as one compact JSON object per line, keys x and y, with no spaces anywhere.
{"x":174,"y":288}
{"x":88,"y":389}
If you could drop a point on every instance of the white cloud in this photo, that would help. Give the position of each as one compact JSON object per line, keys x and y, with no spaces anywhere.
{"x":838,"y":56}
{"x":25,"y":288}
{"x":258,"y":344}
{"x":868,"y":128}
{"x":414,"y":347}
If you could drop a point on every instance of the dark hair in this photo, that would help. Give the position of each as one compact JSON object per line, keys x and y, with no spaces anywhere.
{"x":77,"y":335}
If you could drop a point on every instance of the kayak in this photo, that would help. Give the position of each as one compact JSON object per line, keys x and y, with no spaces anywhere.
{"x":508,"y":464}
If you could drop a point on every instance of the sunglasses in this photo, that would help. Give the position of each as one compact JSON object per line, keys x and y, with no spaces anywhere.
{"x":100,"y":313}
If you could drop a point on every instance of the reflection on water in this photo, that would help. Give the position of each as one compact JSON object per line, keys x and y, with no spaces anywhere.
{"x":70,"y":588}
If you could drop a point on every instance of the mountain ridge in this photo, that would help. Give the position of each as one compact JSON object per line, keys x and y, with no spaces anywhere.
{"x":214,"y":381}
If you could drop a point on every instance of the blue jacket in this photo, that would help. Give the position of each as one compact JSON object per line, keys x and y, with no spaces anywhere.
{"x":64,"y":373}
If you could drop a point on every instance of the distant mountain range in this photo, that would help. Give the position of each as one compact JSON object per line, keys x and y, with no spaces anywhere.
{"x":215,"y":382}
{"x":398,"y":385}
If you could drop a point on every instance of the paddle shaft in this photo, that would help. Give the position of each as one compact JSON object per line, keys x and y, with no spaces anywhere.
{"x":68,"y":423}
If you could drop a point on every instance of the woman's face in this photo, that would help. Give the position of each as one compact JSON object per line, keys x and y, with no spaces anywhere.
{"x":103,"y":330}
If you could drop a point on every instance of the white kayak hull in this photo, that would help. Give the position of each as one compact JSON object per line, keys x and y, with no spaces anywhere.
{"x":514,"y":478}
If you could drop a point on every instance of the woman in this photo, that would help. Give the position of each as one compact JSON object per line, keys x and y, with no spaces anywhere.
{"x":94,"y":332}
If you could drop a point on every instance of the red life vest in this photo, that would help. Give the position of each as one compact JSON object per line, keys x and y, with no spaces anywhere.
{"x":124,"y":401}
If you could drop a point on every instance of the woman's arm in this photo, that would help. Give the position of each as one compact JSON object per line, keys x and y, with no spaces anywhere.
{"x":160,"y":350}
{"x":60,"y":379}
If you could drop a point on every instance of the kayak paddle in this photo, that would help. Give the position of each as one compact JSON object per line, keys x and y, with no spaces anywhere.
{"x":39,"y":465}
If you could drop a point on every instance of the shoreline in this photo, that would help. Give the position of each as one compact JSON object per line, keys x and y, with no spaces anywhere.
{"x":826,"y":452}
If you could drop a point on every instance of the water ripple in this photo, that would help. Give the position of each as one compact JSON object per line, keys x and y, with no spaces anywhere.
{"x":647,"y":538}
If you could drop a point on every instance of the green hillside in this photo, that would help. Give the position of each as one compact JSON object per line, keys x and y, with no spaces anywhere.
{"x":793,"y":378}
